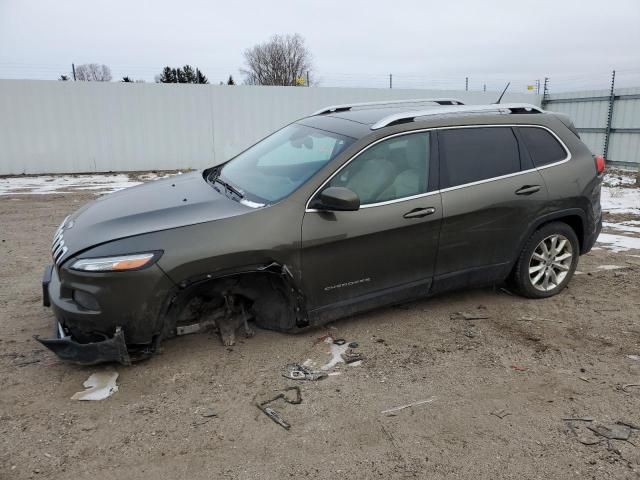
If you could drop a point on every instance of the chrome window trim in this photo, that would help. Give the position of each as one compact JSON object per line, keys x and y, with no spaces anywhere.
{"x":443,"y":190}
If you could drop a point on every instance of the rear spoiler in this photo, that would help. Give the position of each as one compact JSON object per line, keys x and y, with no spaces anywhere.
{"x":567,"y":122}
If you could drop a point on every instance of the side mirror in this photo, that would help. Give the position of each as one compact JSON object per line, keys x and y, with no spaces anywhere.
{"x":337,"y":199}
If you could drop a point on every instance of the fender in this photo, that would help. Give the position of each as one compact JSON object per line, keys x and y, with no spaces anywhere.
{"x":578,"y":212}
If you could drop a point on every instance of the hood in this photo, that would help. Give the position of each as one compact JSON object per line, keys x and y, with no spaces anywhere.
{"x":159,"y":205}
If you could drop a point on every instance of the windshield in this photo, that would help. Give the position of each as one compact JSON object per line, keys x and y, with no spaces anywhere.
{"x":279,"y":164}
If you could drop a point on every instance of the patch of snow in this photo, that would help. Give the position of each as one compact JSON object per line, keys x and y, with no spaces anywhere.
{"x":57,"y":184}
{"x":620,"y":200}
{"x":614,"y":180}
{"x":622,"y":227}
{"x":618,"y":243}
{"x":98,"y":386}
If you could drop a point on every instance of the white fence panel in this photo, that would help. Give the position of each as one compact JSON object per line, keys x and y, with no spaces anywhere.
{"x":590,"y":118}
{"x":73,"y":127}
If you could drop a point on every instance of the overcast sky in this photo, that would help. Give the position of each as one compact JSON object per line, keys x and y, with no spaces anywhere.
{"x":354,"y":43}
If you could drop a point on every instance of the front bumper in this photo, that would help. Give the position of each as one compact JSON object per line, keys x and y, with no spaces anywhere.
{"x":125,"y":325}
{"x":109,"y":350}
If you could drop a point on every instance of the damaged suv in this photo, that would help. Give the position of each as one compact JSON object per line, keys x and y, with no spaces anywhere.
{"x":354,"y":207}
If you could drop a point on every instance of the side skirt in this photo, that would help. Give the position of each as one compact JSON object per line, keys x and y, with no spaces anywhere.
{"x":370,"y":301}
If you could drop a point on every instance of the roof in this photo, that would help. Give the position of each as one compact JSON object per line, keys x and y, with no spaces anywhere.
{"x":361,"y":119}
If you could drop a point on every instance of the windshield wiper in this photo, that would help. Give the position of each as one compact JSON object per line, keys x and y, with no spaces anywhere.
{"x":228,"y":187}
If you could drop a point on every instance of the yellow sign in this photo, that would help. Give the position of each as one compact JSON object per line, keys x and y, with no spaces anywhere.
{"x":530,"y":87}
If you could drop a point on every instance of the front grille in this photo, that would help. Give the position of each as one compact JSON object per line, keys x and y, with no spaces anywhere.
{"x":58,"y":248}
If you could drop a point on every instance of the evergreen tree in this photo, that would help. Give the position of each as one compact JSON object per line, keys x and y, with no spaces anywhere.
{"x":64,"y":78}
{"x":200,"y":77}
{"x":186,"y":74}
{"x":230,"y":81}
{"x":126,"y":80}
{"x":168,"y":75}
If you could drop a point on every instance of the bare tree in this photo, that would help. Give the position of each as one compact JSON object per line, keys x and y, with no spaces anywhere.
{"x":283,"y":60}
{"x":92,"y":72}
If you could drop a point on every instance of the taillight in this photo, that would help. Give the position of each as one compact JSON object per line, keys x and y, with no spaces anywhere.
{"x":600,"y":164}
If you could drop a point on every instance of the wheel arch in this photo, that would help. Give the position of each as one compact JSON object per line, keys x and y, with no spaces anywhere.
{"x":574,"y":217}
{"x":277,"y":302}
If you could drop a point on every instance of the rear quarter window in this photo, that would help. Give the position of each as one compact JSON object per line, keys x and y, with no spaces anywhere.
{"x":473,"y":154}
{"x":543,"y":147}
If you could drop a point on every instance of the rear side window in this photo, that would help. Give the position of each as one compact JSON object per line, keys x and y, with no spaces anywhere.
{"x":472,"y":154}
{"x":543,"y":147}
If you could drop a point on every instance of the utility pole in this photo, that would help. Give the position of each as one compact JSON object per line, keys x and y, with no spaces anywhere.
{"x":466,"y":84}
{"x":545,"y":92}
{"x":484,"y":87}
{"x":73,"y":69}
{"x":390,"y":80}
{"x":612,"y":99}
{"x":308,"y":79}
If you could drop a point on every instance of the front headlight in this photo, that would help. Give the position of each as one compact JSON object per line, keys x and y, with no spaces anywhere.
{"x":115,"y":264}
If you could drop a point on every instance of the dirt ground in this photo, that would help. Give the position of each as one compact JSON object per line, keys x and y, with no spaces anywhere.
{"x":499,"y":387}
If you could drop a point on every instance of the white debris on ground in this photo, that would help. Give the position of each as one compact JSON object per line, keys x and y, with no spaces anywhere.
{"x":58,"y":184}
{"x":99,"y":385}
{"x":336,"y":353}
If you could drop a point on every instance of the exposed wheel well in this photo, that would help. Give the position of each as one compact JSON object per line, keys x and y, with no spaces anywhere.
{"x":267,"y":296}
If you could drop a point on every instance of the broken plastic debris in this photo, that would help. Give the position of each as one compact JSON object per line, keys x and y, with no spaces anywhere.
{"x":99,"y":385}
{"x":275,"y":416}
{"x":351,"y":357}
{"x":296,"y":371}
{"x":500,"y":413}
{"x":336,"y":354}
{"x":394,"y":410}
{"x":612,"y":432}
{"x":468,"y":316}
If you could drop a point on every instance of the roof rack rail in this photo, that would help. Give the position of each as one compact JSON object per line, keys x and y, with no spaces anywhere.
{"x":410,"y":116}
{"x":349,"y":106}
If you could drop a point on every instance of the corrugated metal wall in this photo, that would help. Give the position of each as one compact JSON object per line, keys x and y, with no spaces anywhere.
{"x":56,"y":127}
{"x":589,"y":111}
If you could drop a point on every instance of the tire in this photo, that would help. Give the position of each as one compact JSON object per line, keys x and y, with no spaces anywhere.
{"x":543,"y":271}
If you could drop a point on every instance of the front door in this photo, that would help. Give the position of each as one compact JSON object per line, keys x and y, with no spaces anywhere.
{"x":386,"y":250}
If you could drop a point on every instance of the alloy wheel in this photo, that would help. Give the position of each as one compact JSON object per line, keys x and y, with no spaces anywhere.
{"x":550,"y":262}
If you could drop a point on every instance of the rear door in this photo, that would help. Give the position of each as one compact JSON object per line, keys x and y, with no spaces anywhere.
{"x":388,"y":246}
{"x":490,"y":194}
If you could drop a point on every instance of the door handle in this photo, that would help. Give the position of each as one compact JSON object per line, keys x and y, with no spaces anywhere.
{"x":420,"y":212}
{"x":528,"y":189}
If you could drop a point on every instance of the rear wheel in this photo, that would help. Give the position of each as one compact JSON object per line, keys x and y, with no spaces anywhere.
{"x":547,"y":261}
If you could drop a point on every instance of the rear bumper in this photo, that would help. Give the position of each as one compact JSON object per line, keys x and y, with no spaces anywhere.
{"x":593,"y":231}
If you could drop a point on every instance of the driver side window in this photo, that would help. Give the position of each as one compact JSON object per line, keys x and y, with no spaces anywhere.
{"x":390,"y":170}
